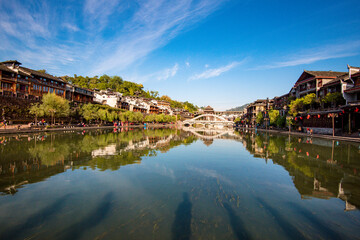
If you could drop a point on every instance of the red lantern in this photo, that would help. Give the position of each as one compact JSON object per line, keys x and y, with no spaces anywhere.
{"x":343,"y":111}
{"x":308,"y":117}
{"x":296,"y":119}
{"x":301,"y":118}
{"x":356,"y":109}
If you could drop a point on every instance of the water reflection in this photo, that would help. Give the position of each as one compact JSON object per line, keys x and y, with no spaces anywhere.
{"x":181,"y":228}
{"x":237,"y":224}
{"x":320,"y":168}
{"x":36,"y":219}
{"x":94,"y":218}
{"x":32,"y":158}
{"x":253,"y":186}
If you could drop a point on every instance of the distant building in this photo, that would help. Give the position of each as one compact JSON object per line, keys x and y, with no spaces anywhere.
{"x":107,"y":97}
{"x":280,"y":103}
{"x":79,"y":95}
{"x":209,"y":110}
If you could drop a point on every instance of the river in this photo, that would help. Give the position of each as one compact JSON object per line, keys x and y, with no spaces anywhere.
{"x":175,"y":184}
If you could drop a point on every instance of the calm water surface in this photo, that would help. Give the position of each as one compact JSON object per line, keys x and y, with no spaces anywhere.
{"x":172,"y":184}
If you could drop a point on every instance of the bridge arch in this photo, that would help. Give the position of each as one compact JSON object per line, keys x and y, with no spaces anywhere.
{"x":209,"y":118}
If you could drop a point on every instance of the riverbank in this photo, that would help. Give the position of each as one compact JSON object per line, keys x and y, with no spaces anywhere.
{"x":330,"y":137}
{"x":74,"y":128}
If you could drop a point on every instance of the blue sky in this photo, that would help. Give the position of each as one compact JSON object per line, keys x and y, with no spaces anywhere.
{"x":209,"y":52}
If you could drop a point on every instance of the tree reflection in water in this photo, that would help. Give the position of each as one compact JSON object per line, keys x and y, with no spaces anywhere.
{"x":33,"y":158}
{"x":320,"y":168}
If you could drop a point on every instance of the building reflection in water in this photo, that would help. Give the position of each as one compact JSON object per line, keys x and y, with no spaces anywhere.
{"x":28,"y":159}
{"x":319,"y":168}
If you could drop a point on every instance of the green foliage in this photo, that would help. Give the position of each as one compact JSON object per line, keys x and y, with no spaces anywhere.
{"x":150,"y":118}
{"x":115,"y":83}
{"x":36,"y":110}
{"x":309,"y":99}
{"x":334,"y":98}
{"x":295,"y":106}
{"x":300,"y":104}
{"x":237,"y":119}
{"x":100,"y":112}
{"x":127,"y":88}
{"x":55,"y":106}
{"x":138,"y":117}
{"x":281,"y":121}
{"x":259,"y":118}
{"x":289,"y":121}
{"x":89,"y":111}
{"x":273,"y":115}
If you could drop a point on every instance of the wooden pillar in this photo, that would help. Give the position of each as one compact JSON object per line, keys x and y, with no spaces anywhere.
{"x":349,"y":123}
{"x":333,"y":123}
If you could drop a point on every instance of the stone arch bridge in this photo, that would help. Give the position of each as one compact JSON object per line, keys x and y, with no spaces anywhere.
{"x":208,"y":120}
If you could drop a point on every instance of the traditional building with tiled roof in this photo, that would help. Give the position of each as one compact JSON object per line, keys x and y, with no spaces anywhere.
{"x":312,"y":81}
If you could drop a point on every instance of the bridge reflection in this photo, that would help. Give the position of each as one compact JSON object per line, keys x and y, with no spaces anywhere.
{"x":208,"y":121}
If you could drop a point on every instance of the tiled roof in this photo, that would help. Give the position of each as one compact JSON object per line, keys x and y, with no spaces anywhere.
{"x":325,"y":73}
{"x":40,"y":74}
{"x":5,"y":68}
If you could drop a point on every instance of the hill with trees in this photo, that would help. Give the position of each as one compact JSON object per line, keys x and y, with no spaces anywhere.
{"x":240,"y":108}
{"x":127,"y":88}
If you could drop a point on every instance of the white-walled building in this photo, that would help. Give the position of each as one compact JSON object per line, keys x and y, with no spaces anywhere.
{"x":112,"y":99}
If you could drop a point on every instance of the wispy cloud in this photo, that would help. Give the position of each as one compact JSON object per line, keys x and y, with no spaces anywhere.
{"x":316,"y":54}
{"x":160,"y":75}
{"x":96,"y":36}
{"x":153,"y":25}
{"x":71,"y":27}
{"x":214,"y":72}
{"x":187,"y":64}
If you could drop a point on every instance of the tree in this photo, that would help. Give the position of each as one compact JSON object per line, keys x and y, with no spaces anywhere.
{"x":102,"y":115}
{"x":259,"y":118}
{"x":112,"y":116}
{"x":273,"y":115}
{"x":334,"y":99}
{"x":129,"y":116}
{"x":37,"y":110}
{"x":55,"y":106}
{"x":165,"y":98}
{"x":281,"y":121}
{"x":160,"y":118}
{"x":295,"y":106}
{"x":42,"y":71}
{"x":138,"y":117}
{"x":150,"y":118}
{"x":154,"y":94}
{"x":89,"y":111}
{"x":121,"y":117}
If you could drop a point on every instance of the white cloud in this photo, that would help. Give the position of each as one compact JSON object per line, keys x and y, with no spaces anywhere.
{"x":99,"y":38}
{"x":207,"y":66}
{"x":71,"y":27}
{"x":161,"y":75}
{"x":153,"y":25}
{"x":168,"y":73}
{"x":187,"y":64}
{"x":317,"y":54}
{"x":214,"y":72}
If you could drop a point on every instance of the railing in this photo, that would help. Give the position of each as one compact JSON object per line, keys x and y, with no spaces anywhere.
{"x":8,"y":78}
{"x":23,"y":81}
